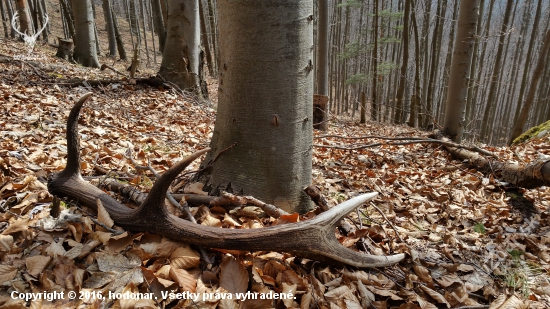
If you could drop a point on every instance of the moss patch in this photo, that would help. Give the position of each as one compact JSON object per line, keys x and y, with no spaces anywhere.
{"x":538,"y":131}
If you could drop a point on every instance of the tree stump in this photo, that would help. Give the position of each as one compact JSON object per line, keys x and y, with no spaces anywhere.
{"x":320,"y":103}
{"x":65,"y":49}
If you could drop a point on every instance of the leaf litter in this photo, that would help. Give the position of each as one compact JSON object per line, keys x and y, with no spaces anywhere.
{"x":467,"y":246}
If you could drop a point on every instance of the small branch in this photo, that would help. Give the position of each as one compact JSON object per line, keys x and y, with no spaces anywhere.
{"x":387,"y":220}
{"x":409,"y":142}
{"x":239,"y":201}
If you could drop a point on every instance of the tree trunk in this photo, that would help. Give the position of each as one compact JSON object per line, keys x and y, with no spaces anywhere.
{"x":374,"y":105}
{"x":119,"y":43}
{"x":265,"y":102}
{"x":41,"y":8}
{"x":144,"y":25}
{"x":527,"y":62}
{"x":110,"y":28}
{"x":181,"y":62}
{"x":460,"y":67}
{"x":204,"y":39}
{"x":398,"y":115}
{"x":159,"y":23}
{"x":69,"y":18}
{"x":490,"y":104}
{"x":85,"y":51}
{"x":24,"y":18}
{"x":322,"y":56}
{"x":522,"y":118}
{"x":5,"y":19}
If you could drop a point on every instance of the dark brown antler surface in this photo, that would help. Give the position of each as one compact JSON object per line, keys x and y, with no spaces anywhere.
{"x":314,"y":239}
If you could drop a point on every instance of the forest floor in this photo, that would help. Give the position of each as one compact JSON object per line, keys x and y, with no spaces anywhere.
{"x":470,"y":240}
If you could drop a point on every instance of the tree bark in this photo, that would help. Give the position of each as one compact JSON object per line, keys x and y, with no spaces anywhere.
{"x":85,"y":51}
{"x":322,"y":56}
{"x":110,"y":28}
{"x":265,"y":102}
{"x":460,"y":66}
{"x":522,"y":118}
{"x":24,"y":17}
{"x":158,"y":20}
{"x":398,"y":115}
{"x":181,"y":62}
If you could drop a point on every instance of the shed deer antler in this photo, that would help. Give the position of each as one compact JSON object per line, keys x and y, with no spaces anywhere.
{"x":28,"y":39}
{"x":314,"y":239}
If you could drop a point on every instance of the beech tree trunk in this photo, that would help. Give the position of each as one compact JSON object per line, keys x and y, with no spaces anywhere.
{"x":85,"y":51}
{"x":460,"y":68}
{"x":322,"y":57}
{"x":265,"y":102}
{"x":181,"y":62}
{"x":110,"y":27}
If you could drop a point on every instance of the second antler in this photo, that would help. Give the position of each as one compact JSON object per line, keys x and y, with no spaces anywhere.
{"x":314,"y":239}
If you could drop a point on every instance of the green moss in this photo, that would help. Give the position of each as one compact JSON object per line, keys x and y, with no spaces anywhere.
{"x":534,"y":131}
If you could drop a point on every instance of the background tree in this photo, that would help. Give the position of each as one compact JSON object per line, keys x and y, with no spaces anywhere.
{"x":265,"y":101}
{"x":181,"y":62}
{"x":109,"y":25}
{"x":25,"y":25}
{"x":522,"y":118}
{"x":460,"y":69}
{"x":85,"y":51}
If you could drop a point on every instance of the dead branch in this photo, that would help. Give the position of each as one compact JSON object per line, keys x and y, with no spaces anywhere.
{"x":532,"y":175}
{"x":408,"y":141}
{"x":239,"y":201}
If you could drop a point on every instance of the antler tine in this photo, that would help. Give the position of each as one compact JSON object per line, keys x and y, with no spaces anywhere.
{"x":314,"y":238}
{"x":14,"y":23}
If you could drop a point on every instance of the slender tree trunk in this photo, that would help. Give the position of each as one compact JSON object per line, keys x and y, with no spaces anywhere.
{"x":436,"y":45}
{"x":522,"y":119}
{"x":5,"y":19}
{"x":415,"y":98}
{"x":374,"y":102}
{"x":322,"y":56}
{"x":41,"y":8}
{"x":10,"y":12}
{"x":398,"y":116}
{"x":181,"y":62}
{"x":490,"y":104}
{"x":85,"y":51}
{"x":119,"y":43}
{"x":144,"y":25}
{"x":265,"y":102}
{"x":460,"y":69}
{"x":527,"y":64}
{"x":109,"y":26}
{"x":204,"y":39}
{"x":68,"y":14}
{"x":159,"y":23}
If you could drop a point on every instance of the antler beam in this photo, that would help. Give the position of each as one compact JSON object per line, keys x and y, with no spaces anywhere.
{"x":314,"y":239}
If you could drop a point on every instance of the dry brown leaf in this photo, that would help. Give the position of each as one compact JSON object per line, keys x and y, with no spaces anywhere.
{"x":289,"y":290}
{"x":233,"y":275}
{"x":423,"y":273}
{"x":6,"y":243}
{"x":103,"y":216}
{"x":7,"y":273}
{"x":36,"y":264}
{"x":185,"y":258}
{"x":185,"y":280}
{"x":435,"y":295}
